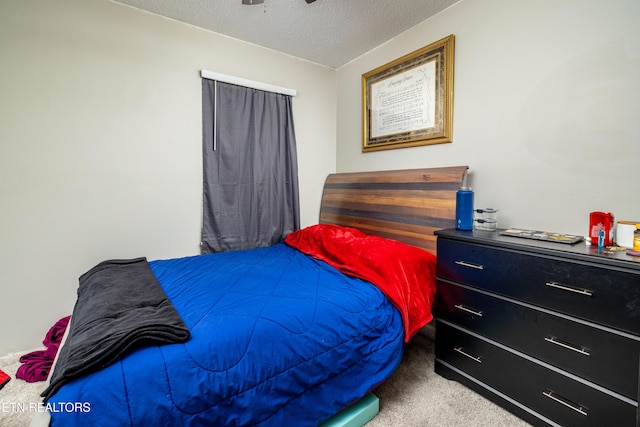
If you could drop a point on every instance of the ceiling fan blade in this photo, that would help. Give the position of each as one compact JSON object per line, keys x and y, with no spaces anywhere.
{"x":250,"y":2}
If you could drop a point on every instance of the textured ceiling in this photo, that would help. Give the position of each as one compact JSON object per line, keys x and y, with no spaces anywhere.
{"x":328,"y":32}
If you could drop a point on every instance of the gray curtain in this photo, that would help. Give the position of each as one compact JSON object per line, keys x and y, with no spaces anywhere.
{"x":250,"y":164}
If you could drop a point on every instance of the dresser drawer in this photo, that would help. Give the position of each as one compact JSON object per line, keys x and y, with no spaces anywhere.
{"x":547,"y":391}
{"x":602,"y":295}
{"x":576,"y":347}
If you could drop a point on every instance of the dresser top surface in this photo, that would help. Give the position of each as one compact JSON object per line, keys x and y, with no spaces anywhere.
{"x":578,"y":250}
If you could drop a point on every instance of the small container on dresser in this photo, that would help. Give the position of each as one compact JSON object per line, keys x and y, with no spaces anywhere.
{"x":549,"y":331}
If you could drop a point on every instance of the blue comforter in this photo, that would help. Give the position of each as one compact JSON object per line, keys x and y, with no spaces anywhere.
{"x":277,"y":338}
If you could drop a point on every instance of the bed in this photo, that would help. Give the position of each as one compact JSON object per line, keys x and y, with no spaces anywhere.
{"x":285,"y":335}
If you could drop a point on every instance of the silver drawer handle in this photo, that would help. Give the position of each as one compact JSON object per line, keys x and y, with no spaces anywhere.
{"x":568,"y":346}
{"x":468,"y":310}
{"x":470,"y":264}
{"x":556,"y":398}
{"x":567,"y":288}
{"x":470,"y":356}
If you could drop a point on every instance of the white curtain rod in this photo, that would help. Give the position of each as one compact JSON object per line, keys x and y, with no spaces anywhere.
{"x":246,"y":83}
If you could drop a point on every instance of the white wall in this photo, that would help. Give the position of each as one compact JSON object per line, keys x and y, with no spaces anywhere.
{"x":100,"y":129}
{"x":546,"y":108}
{"x":100,"y":144}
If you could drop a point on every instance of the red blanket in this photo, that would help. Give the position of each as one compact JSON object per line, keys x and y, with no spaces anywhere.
{"x":405,"y":274}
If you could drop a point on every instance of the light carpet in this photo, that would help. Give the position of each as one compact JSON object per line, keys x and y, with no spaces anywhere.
{"x":414,"y":396}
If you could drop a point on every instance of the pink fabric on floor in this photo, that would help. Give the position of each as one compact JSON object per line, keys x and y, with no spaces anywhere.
{"x":37,"y":364}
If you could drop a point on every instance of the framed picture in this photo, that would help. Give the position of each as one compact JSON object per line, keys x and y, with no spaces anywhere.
{"x":409,"y":101}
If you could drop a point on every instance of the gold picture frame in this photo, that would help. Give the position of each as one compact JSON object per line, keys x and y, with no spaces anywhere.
{"x":409,"y":102}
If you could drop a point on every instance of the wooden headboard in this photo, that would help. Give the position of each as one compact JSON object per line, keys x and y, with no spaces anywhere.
{"x":405,"y":205}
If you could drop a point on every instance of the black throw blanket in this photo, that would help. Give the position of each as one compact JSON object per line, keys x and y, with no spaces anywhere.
{"x":120,"y":306}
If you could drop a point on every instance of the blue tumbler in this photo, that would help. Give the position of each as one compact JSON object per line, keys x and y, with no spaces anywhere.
{"x":464,"y":209}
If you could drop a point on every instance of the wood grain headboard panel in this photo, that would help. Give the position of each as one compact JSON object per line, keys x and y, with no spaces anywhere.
{"x":405,"y":205}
